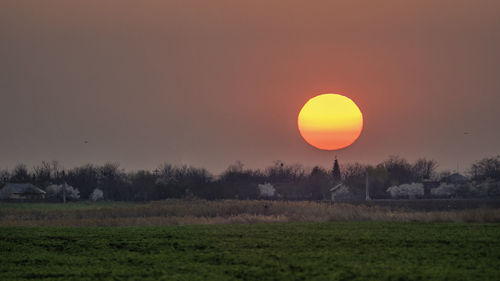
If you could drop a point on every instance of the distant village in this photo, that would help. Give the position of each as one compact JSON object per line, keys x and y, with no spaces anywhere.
{"x":393,"y":179}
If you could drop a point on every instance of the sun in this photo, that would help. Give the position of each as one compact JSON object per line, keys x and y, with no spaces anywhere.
{"x":330,"y":122}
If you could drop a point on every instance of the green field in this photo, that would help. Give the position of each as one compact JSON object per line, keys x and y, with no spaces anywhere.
{"x":274,"y":251}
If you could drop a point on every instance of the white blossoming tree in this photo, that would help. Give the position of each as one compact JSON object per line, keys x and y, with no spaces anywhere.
{"x":56,"y":190}
{"x":445,"y":190}
{"x":411,"y":191}
{"x":266,"y":190}
{"x":96,"y":195}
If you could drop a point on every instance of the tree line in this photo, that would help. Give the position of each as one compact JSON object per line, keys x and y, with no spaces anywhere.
{"x":290,"y":181}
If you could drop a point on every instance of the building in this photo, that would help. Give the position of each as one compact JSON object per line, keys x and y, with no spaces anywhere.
{"x":340,"y":192}
{"x":456,"y":178}
{"x":21,"y":191}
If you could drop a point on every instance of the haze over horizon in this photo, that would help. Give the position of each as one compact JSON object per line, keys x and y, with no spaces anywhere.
{"x":209,"y":83}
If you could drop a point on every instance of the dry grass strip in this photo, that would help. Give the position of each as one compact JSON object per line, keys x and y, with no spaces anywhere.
{"x":182,"y":212}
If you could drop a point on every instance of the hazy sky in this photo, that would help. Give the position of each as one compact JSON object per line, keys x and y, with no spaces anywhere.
{"x":206,"y":83}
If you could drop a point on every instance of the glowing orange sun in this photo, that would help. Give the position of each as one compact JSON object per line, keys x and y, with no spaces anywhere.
{"x":330,"y":122}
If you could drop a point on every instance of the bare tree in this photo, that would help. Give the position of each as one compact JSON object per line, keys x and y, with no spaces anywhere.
{"x":4,"y":177}
{"x":424,"y":169}
{"x":487,"y":168}
{"x":20,"y":174}
{"x":43,"y":173}
{"x":398,"y":169}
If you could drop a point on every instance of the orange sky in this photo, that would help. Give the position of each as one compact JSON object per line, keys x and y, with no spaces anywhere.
{"x":210,"y":82}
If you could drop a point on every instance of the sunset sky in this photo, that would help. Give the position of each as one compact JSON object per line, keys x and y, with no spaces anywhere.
{"x":206,"y":83}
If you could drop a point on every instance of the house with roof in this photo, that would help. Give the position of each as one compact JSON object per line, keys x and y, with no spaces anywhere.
{"x":340,"y":192}
{"x":21,"y":191}
{"x":455,"y":178}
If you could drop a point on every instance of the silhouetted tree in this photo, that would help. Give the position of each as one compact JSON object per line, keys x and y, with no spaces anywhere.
{"x":379,"y":181}
{"x":85,"y":178}
{"x":45,"y":173}
{"x":237,"y":182}
{"x":114,"y":182}
{"x":279,"y":172}
{"x":318,"y":184}
{"x":197,"y":183}
{"x":336,"y":172}
{"x":167,"y":183}
{"x":4,"y":177}
{"x":20,"y":174}
{"x":144,"y":185}
{"x":193,"y":182}
{"x":354,"y":176}
{"x":291,"y":182}
{"x":288,"y":180}
{"x":423,"y":169}
{"x":398,"y":169}
{"x":487,"y":168}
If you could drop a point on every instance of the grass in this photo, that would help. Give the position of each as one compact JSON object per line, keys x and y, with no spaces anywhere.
{"x":279,"y":251}
{"x":181,"y":212}
{"x":81,"y":205}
